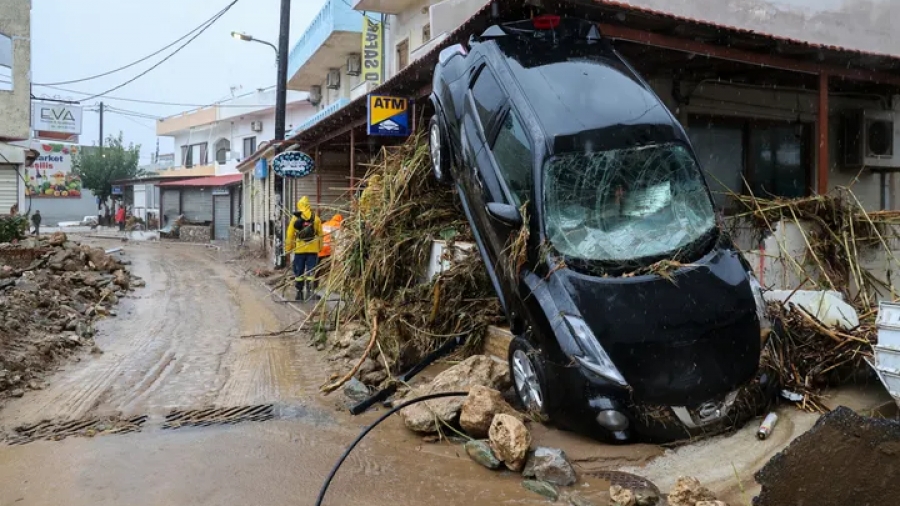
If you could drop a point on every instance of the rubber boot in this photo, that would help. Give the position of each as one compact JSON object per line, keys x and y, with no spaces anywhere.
{"x":312,"y":287}
{"x":299,"y":286}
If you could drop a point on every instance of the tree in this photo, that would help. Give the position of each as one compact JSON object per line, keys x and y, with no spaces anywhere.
{"x":99,"y":167}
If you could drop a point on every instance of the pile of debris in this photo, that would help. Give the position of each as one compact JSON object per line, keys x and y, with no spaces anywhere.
{"x":810,"y":354}
{"x":51,"y":292}
{"x":381,"y":260}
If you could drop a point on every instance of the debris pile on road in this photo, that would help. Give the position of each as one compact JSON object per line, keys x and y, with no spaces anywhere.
{"x":51,"y":292}
{"x":381,"y":259}
{"x":859,"y":455}
{"x":837,"y":232}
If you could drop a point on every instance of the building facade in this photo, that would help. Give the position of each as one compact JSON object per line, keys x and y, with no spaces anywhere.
{"x":15,"y":99}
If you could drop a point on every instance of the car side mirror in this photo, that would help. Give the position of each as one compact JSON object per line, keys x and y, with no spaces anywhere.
{"x":505,"y":213}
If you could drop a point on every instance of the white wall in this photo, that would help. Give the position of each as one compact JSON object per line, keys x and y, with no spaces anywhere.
{"x":238,"y":127}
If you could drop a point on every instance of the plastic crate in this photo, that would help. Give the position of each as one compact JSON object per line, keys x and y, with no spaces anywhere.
{"x":887,"y":359}
{"x":888,"y":324}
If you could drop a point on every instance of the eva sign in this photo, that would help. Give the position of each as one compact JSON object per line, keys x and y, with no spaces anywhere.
{"x":55,"y":117}
{"x":292,"y":164}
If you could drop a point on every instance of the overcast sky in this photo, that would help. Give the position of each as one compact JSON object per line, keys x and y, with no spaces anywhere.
{"x":72,"y":39}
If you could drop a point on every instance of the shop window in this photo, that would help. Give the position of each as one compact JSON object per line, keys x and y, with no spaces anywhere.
{"x":402,"y":55}
{"x":6,"y":63}
{"x":775,"y":158}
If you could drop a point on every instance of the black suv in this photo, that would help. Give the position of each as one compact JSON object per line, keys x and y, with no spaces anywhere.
{"x":625,"y":299}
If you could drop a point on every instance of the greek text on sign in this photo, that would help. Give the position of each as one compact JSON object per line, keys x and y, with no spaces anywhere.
{"x":388,"y":115}
{"x":292,"y":164}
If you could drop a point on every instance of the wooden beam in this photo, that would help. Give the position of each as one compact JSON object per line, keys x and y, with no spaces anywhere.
{"x":742,"y":56}
{"x":822,"y":154}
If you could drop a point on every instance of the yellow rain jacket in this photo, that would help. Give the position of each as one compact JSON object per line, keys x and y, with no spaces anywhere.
{"x":295,"y":244}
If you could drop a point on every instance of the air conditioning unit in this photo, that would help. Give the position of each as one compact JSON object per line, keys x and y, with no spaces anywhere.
{"x":256,"y":126}
{"x":333,"y":82}
{"x":315,"y":95}
{"x":871,"y":138}
{"x":354,"y":65}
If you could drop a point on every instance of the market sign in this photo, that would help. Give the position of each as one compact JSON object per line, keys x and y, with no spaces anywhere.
{"x":292,"y":164}
{"x":261,"y":170}
{"x":372,"y":51}
{"x":117,"y":190}
{"x":56,"y":118}
{"x":51,"y":174}
{"x":388,"y":115}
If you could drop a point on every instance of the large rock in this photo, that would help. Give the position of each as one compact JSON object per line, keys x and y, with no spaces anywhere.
{"x":58,"y":239}
{"x":550,"y":465}
{"x":479,"y":409}
{"x":542,"y":488}
{"x":510,"y":440}
{"x":426,"y":417}
{"x":619,"y":496}
{"x":688,"y":492}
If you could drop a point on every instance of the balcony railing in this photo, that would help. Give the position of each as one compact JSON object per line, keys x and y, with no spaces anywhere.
{"x":335,"y":16}
{"x":319,"y":116}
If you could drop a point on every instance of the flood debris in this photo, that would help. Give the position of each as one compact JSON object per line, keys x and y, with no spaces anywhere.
{"x":688,"y":492}
{"x":863,"y":452}
{"x":510,"y":440}
{"x":52,"y":290}
{"x":430,"y":416}
{"x":381,"y":258}
{"x":767,"y":426}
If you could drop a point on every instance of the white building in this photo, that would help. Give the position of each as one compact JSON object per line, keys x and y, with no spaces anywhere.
{"x":211,"y":141}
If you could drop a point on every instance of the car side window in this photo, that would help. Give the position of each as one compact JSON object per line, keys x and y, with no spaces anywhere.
{"x":488,"y":96}
{"x":513,"y":153}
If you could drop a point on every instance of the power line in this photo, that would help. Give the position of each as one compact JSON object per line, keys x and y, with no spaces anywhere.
{"x":173,"y":53}
{"x":132,"y":64}
{"x":157,"y":102}
{"x":136,"y":122}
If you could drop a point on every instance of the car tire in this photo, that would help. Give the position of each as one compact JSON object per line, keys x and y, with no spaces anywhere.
{"x":528,"y":371}
{"x":439,"y":151}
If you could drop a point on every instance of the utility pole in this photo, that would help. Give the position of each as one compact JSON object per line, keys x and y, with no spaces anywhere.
{"x":281,"y":90}
{"x":101,"y":125}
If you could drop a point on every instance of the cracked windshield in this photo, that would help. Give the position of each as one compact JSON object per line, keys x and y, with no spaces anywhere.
{"x":460,"y":252}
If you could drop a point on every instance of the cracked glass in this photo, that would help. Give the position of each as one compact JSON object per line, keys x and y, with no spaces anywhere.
{"x":625,"y":204}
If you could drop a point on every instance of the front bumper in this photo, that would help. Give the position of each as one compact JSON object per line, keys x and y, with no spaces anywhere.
{"x":581,"y":397}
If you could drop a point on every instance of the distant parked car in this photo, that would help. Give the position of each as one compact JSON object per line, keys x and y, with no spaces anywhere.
{"x":544,"y":116}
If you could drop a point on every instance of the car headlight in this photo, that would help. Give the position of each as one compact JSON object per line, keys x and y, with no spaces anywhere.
{"x":764,"y":323}
{"x":594,"y":356}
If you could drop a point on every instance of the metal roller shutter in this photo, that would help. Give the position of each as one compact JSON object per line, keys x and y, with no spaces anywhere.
{"x":335,"y":189}
{"x":170,"y":201}
{"x":236,"y":205}
{"x":197,"y":205}
{"x":223,"y":216}
{"x":9,"y":188}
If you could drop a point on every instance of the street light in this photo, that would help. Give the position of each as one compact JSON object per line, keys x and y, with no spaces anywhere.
{"x":249,"y":38}
{"x":281,"y":91}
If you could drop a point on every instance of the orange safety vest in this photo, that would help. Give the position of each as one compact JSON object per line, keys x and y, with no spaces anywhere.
{"x":328,"y":228}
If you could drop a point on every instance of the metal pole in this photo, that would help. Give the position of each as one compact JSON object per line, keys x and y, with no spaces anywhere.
{"x":101,"y":125}
{"x":352,"y":164}
{"x":281,"y":91}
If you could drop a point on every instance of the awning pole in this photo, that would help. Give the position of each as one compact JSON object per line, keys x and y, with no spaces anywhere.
{"x":823,"y":135}
{"x":352,"y":164}
{"x":318,"y":184}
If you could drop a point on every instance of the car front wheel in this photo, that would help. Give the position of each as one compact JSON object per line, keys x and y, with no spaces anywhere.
{"x":440,"y":157}
{"x":528,"y":373}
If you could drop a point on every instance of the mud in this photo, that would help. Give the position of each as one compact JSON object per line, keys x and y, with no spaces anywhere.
{"x":863,"y":452}
{"x":177,"y":345}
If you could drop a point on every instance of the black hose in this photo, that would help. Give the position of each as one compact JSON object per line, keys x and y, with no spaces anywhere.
{"x":368,"y":429}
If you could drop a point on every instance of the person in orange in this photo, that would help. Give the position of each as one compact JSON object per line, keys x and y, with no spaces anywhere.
{"x":120,"y":218}
{"x":328,"y":228}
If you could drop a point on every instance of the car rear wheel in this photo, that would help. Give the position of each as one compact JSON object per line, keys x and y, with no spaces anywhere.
{"x":527,"y":368}
{"x":440,"y":157}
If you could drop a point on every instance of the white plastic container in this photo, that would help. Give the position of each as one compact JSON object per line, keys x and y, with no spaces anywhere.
{"x":887,"y":358}
{"x":888,"y":324}
{"x":891,"y":381}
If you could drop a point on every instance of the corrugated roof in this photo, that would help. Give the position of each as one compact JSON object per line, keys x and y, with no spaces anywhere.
{"x":207,"y":181}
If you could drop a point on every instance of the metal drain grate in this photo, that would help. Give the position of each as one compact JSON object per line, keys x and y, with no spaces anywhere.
{"x":50,"y":430}
{"x":625,"y":480}
{"x":218,"y":416}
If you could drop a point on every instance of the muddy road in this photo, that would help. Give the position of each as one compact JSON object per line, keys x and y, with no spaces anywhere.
{"x":176,"y":344}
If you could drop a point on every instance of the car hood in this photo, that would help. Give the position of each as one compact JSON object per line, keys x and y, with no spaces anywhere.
{"x":678,"y":341}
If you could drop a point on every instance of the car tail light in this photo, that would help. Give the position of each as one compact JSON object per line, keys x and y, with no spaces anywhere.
{"x":545,"y":22}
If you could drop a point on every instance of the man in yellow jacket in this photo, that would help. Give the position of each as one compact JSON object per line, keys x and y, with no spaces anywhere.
{"x":304,"y":239}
